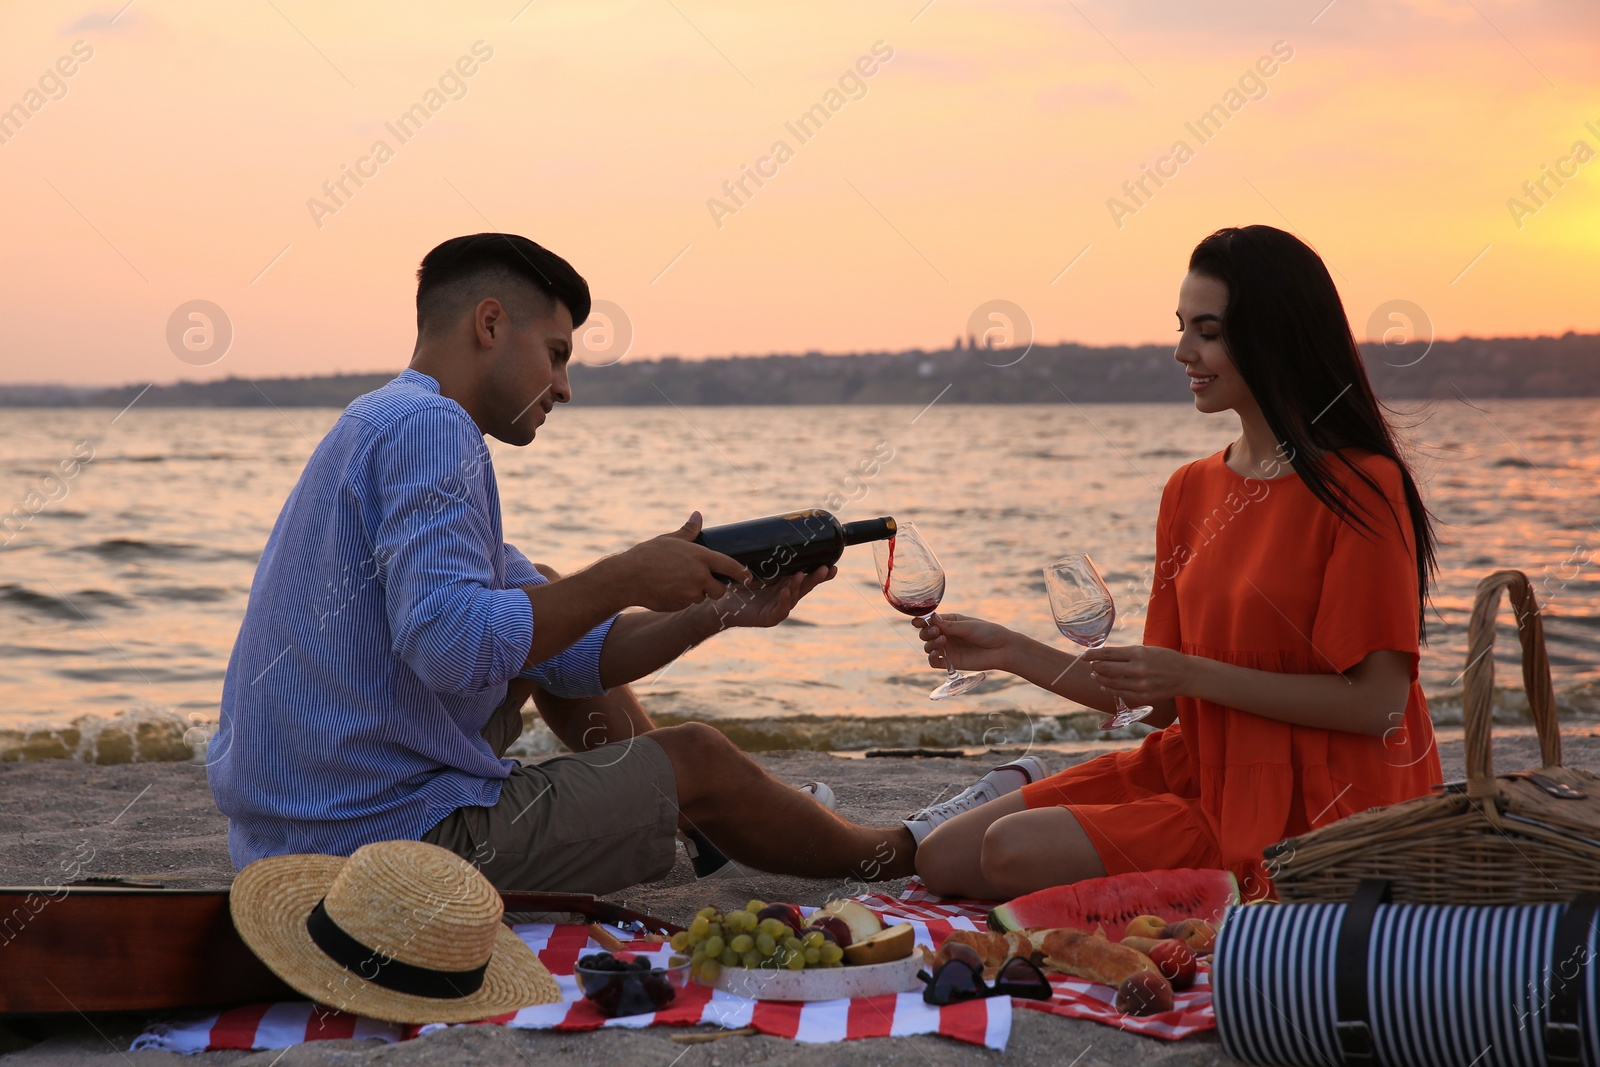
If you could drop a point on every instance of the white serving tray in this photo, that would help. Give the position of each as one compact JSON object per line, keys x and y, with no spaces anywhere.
{"x":824,"y":983}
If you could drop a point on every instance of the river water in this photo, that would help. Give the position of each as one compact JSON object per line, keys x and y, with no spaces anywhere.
{"x":122,"y":585}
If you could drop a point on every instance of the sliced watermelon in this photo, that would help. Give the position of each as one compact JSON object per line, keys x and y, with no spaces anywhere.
{"x":1112,"y":902}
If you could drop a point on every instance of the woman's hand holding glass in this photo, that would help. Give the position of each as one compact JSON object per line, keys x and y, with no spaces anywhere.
{"x":914,"y":584}
{"x":1085,"y":614}
{"x":1149,"y":674}
{"x":963,"y":642}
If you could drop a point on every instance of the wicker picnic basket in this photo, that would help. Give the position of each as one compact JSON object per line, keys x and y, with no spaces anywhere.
{"x":1514,"y":838}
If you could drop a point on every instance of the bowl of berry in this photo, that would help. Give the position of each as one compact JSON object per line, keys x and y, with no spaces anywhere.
{"x":629,"y":984}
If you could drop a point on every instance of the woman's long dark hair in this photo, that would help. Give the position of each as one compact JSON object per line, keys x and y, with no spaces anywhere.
{"x":1286,"y":331}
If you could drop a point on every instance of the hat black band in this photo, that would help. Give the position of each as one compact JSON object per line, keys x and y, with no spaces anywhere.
{"x":386,"y":971}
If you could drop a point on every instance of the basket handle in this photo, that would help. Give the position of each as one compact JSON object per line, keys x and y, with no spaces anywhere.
{"x":1478,"y":700}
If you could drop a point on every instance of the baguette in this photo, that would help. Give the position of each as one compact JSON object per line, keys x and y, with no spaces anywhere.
{"x":1084,"y":955}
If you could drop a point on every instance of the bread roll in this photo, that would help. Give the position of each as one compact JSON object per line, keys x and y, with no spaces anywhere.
{"x":994,"y":948}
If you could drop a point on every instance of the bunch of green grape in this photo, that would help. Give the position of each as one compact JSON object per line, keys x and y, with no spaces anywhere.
{"x":742,"y":939}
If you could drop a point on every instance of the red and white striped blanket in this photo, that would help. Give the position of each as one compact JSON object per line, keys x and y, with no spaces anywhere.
{"x":982,"y":1022}
{"x":1075,"y":998}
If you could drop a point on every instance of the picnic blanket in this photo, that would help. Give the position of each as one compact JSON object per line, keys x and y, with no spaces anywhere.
{"x":1074,"y":997}
{"x":981,"y":1022}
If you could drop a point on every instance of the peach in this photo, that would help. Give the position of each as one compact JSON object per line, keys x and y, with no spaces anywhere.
{"x":1198,"y":934}
{"x":1144,"y":993}
{"x":1151,"y":926}
{"x":1176,"y":961}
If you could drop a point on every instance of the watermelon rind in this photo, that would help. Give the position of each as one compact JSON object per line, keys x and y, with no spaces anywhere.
{"x":1112,"y":901}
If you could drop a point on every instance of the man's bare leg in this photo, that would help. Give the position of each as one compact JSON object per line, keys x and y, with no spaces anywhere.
{"x":584,"y":723}
{"x":763,"y":823}
{"x":727,"y":798}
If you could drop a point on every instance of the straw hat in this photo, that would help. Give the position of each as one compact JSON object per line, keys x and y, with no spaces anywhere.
{"x":416,"y":927}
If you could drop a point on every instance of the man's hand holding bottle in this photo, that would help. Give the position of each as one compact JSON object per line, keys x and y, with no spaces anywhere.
{"x":758,"y":603}
{"x":671,"y":572}
{"x":696,"y":581}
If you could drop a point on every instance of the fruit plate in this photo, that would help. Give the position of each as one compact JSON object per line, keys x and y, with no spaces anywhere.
{"x":824,"y":983}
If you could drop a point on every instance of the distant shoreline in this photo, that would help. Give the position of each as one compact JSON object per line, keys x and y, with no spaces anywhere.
{"x":1467,"y":369}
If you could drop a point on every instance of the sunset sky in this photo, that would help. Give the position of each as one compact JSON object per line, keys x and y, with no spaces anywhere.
{"x":976,"y":162}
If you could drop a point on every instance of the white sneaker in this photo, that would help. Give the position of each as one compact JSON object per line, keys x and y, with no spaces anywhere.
{"x":820,"y":792}
{"x":1006,"y":778}
{"x":708,"y":861}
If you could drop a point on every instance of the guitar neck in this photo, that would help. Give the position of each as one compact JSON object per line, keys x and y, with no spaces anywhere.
{"x":587,"y":905}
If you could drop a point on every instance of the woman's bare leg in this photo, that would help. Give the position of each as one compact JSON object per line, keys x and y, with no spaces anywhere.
{"x":1034,"y":849}
{"x":948,"y":858}
{"x":1005,"y":849}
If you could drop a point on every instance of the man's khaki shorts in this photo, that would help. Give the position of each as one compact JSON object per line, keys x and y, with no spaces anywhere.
{"x":589,"y":822}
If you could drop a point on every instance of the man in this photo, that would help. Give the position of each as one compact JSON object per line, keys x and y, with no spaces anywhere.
{"x":392,"y":637}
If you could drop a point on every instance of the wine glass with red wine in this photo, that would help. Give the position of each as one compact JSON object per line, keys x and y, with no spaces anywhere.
{"x":913,"y":583}
{"x":1084,"y":613}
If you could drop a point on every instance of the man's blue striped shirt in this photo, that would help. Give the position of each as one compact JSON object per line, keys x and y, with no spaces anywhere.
{"x":385,"y":618}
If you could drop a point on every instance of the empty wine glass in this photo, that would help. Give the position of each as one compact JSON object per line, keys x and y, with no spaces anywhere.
{"x":1084,"y":613}
{"x":913,"y":583}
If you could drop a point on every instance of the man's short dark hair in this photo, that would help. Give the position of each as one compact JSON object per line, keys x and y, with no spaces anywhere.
{"x":462,"y":271}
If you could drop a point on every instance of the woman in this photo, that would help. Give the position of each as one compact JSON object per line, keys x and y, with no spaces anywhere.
{"x":1281,"y":644}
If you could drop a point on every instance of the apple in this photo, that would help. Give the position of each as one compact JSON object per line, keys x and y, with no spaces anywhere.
{"x":788,"y":914}
{"x":1144,"y":993}
{"x":833,"y":928}
{"x":1176,"y":961}
{"x":885,"y":946}
{"x":856,"y":915}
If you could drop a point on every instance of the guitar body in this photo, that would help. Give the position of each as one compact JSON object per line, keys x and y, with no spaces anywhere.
{"x":116,"y":948}
{"x":150,"y":948}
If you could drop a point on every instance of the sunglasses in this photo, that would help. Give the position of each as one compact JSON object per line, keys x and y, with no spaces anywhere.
{"x":954,"y":981}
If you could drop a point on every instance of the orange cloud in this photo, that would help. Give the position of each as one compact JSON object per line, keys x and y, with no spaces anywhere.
{"x":977,"y":165}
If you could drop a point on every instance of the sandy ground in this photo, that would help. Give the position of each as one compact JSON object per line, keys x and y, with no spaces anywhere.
{"x":158,"y":820}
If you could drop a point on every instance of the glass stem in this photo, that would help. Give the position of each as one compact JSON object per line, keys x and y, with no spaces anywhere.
{"x":949,"y":668}
{"x":1120,"y":705}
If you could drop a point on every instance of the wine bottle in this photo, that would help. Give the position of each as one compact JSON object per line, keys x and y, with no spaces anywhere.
{"x":787,"y":544}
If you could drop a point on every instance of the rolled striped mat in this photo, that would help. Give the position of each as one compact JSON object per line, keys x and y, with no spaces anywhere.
{"x":1447,"y":986}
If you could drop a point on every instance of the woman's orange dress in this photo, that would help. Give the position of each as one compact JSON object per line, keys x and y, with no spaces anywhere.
{"x":1259,"y":573}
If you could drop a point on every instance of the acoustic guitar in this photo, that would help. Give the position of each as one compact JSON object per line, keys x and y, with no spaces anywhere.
{"x":129,"y":945}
